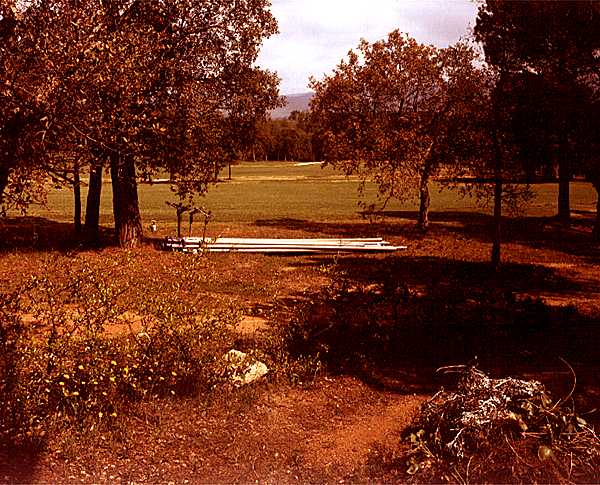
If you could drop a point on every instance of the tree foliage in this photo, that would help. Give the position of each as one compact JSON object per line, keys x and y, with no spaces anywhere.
{"x":397,"y":111}
{"x":139,"y":86}
{"x":284,"y":139}
{"x":554,"y":46}
{"x":22,"y":107}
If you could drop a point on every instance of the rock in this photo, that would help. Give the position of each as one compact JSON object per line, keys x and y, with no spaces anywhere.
{"x":242,"y":368}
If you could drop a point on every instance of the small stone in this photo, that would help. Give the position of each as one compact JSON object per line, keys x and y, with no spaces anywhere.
{"x":244,"y":369}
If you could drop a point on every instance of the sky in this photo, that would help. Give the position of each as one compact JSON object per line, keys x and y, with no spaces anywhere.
{"x":316,"y":34}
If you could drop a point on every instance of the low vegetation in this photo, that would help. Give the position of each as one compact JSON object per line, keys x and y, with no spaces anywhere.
{"x":80,"y":348}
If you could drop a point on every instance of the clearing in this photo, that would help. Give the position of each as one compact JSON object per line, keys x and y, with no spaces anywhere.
{"x":335,"y":425}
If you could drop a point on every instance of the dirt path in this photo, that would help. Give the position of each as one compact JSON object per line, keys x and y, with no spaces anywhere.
{"x":338,"y":425}
{"x":285,"y":435}
{"x":347,"y":446}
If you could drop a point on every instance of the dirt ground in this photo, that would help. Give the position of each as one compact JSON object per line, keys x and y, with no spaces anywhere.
{"x":322,"y":433}
{"x":327,"y":430}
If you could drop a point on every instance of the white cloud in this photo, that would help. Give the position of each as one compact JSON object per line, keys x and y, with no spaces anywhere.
{"x":316,"y":34}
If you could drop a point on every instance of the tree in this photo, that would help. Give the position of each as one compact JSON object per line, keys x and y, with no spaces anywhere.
{"x":146,"y":86}
{"x":555,"y":40}
{"x":589,"y":141}
{"x":397,"y":111}
{"x":22,"y":106}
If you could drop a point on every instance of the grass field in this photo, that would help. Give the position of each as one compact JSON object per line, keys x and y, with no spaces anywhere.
{"x":276,"y":190}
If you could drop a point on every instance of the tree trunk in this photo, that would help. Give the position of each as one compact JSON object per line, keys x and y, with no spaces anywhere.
{"x":116,"y":193}
{"x":596,"y":231}
{"x":496,"y":258}
{"x":128,"y":223}
{"x":564,"y":178}
{"x":179,"y":217}
{"x":424,"y":198}
{"x":497,"y":153}
{"x":92,"y":207}
{"x":77,"y":198}
{"x":4,"y":174}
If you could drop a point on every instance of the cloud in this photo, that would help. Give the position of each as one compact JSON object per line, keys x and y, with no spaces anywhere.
{"x":316,"y":34}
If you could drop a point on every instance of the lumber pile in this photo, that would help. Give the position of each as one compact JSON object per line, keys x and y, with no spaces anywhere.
{"x":277,"y":246}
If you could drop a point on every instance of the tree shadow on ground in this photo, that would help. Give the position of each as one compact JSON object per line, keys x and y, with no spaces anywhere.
{"x":393,"y":321}
{"x":341,"y":229}
{"x":574,"y":238}
{"x":536,"y":232}
{"x":28,"y":233}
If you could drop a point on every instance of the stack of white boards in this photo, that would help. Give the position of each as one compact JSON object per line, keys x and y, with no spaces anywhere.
{"x":276,"y":246}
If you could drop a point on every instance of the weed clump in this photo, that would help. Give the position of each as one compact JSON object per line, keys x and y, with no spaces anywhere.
{"x":501,"y":431}
{"x":80,"y":351}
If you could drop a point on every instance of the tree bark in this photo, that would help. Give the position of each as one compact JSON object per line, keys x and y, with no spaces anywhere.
{"x":564,"y":206}
{"x":564,"y":179}
{"x":497,"y":153}
{"x":128,"y":222}
{"x":424,"y":200}
{"x":77,"y":198}
{"x":92,"y":208}
{"x":116,"y":195}
{"x":596,"y":231}
{"x":496,"y":256}
{"x":179,"y":217}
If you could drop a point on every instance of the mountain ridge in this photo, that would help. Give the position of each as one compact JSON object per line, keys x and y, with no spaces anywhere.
{"x":295,"y":102}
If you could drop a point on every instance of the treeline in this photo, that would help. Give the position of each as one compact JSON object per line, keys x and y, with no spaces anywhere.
{"x":291,"y":139}
{"x":138,"y":88}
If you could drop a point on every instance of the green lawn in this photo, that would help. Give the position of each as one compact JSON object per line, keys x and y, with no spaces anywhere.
{"x":272,"y":190}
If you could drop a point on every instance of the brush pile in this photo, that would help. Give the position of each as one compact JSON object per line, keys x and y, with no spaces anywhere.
{"x":501,"y":431}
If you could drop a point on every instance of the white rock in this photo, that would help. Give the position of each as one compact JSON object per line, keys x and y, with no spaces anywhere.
{"x":243,"y":368}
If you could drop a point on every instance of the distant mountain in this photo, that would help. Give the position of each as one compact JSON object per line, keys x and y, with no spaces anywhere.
{"x":295,"y":102}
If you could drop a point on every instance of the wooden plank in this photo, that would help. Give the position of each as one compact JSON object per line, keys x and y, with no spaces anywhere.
{"x":308,"y":241}
{"x":283,"y":246}
{"x":274,"y":246}
{"x":301,"y":250}
{"x":290,"y":245}
{"x":265,"y":247}
{"x":298,"y":246}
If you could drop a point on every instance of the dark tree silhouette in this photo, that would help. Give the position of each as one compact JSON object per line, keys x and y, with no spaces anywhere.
{"x":558,"y":42}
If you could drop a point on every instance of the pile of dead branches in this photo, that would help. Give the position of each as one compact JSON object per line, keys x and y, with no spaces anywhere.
{"x":501,"y":431}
